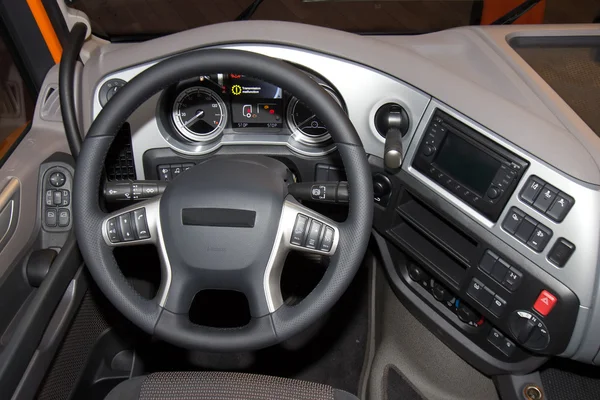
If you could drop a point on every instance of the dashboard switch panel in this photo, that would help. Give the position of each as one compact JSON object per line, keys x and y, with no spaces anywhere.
{"x":56,"y":186}
{"x":529,"y":231}
{"x":546,"y":199}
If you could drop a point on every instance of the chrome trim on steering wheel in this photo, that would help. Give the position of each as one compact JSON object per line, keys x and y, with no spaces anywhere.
{"x":282,"y":246}
{"x":152,"y":212}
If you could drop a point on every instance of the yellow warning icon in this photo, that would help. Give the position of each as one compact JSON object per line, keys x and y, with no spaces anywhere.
{"x":236,"y":90}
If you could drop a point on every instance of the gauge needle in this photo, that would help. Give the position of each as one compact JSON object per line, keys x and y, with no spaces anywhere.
{"x":306,"y":120}
{"x":199,"y":114}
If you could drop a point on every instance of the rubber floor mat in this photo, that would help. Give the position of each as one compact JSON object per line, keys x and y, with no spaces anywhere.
{"x":398,"y":387}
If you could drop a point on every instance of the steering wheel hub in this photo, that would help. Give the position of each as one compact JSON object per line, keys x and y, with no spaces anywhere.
{"x":217,"y":220}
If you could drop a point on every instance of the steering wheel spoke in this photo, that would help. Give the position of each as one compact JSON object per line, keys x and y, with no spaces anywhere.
{"x":300,"y":229}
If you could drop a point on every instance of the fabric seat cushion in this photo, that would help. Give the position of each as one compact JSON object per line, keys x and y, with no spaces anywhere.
{"x":204,"y":385}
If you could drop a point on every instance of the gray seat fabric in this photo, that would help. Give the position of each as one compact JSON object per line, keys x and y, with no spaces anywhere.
{"x":198,"y":385}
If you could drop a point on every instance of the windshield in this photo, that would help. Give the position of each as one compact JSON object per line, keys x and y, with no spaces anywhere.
{"x":129,"y":18}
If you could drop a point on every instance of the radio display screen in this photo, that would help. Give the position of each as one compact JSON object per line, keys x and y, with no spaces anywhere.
{"x":255,"y":103}
{"x":467,"y":164}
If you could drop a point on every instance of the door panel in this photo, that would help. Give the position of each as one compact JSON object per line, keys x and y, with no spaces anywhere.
{"x":34,"y":315}
{"x":9,"y":210}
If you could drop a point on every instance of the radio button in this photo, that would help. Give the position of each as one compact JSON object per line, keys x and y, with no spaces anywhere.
{"x":545,"y":198}
{"x":513,"y":220}
{"x":531,"y":189}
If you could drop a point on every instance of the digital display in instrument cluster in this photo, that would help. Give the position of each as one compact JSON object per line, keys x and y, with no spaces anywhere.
{"x":255,"y":103}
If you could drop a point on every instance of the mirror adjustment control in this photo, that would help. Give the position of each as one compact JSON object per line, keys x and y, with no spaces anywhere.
{"x":299,"y":230}
{"x":57,"y":179}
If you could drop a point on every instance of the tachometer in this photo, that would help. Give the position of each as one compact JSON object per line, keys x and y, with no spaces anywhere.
{"x":199,"y":113}
{"x":305,"y":124}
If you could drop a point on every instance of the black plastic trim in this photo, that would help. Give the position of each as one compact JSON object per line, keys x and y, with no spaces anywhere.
{"x":17,"y":353}
{"x":66,"y":86}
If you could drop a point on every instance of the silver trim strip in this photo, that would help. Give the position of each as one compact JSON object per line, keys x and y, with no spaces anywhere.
{"x":282,"y":246}
{"x":362,"y":88}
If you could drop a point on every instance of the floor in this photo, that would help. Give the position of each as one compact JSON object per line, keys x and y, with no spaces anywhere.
{"x":131,"y":17}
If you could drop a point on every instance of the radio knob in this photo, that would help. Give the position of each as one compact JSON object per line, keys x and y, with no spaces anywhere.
{"x":493,"y":192}
{"x":428,"y":150}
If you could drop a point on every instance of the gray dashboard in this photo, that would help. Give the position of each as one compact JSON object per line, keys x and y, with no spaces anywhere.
{"x":471,"y":73}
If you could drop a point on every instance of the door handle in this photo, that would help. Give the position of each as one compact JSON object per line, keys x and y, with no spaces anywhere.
{"x":9,"y":210}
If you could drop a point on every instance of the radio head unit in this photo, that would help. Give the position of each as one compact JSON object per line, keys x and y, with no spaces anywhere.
{"x":472,"y":167}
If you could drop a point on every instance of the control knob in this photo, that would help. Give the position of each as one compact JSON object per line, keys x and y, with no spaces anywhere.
{"x":529,"y":330}
{"x":467,"y":315}
{"x":428,"y":150}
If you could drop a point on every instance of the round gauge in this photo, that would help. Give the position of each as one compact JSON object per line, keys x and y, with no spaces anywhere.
{"x":199,"y":113}
{"x":305,"y":124}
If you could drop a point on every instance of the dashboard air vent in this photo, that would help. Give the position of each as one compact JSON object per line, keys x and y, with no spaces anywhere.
{"x":51,"y":106}
{"x":119,"y":160}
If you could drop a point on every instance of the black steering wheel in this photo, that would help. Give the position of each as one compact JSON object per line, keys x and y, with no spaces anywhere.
{"x":227,"y":223}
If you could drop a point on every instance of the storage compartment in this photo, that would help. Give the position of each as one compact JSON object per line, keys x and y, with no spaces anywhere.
{"x":433,"y":241}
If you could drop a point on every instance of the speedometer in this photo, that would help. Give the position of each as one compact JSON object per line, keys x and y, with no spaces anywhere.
{"x":304,"y":123}
{"x":199,"y":113}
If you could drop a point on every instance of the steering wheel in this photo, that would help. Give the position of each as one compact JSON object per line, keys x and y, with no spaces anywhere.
{"x":227,"y":223}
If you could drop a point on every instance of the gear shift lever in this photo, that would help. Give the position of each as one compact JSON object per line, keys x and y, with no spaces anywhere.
{"x":392,"y":122}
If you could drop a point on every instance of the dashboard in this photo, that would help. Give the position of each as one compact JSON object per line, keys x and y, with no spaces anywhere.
{"x":498,"y":260}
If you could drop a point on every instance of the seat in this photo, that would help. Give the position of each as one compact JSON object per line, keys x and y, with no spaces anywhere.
{"x":198,"y":385}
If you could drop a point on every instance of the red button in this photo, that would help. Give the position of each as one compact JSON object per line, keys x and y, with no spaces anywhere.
{"x":545,"y":303}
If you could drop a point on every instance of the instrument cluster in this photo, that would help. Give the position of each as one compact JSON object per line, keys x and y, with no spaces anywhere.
{"x":197,"y":115}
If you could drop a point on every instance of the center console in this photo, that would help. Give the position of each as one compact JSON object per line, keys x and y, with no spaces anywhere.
{"x":464,"y":230}
{"x":473,"y":168}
